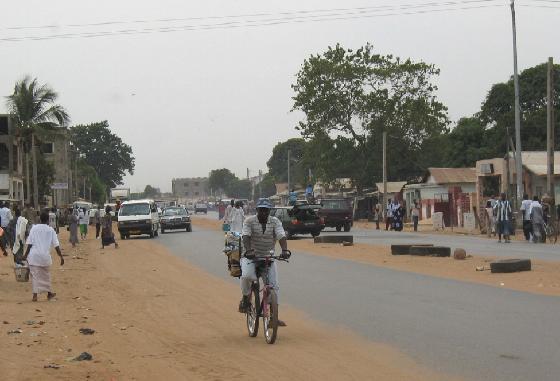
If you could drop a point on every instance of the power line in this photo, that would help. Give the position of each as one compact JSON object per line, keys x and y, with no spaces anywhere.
{"x":250,"y":15}
{"x":245,"y":23}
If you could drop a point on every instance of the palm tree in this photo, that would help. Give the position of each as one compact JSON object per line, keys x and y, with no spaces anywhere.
{"x":35,"y":110}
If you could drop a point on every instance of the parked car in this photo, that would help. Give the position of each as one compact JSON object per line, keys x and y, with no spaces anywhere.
{"x":201,"y":207}
{"x":175,"y":217}
{"x":299,"y":219}
{"x":138,"y":217}
{"x":337,"y":213}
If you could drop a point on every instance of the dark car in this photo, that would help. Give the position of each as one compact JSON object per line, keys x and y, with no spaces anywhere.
{"x":337,"y":213}
{"x":175,"y":218}
{"x":299,"y":219}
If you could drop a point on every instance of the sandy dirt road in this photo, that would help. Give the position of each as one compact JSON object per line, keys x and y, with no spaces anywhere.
{"x":158,"y":318}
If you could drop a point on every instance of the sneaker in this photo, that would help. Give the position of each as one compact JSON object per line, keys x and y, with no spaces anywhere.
{"x":244,"y":304}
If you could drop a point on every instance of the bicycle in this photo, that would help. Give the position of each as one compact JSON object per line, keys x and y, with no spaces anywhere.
{"x":551,"y":233}
{"x":264,"y":302}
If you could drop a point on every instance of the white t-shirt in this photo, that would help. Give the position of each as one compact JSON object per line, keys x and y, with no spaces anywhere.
{"x":84,"y":218}
{"x":526,"y":209}
{"x":42,"y":237}
{"x":5,"y":216}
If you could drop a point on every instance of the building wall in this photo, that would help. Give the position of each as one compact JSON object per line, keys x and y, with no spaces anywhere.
{"x":61,"y":160}
{"x":195,"y":188}
{"x":11,"y":163}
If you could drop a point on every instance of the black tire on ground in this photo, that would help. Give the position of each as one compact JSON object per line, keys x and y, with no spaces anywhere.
{"x":123,"y":237}
{"x":315,"y":233}
{"x":347,"y":227}
{"x":189,"y":228}
{"x":404,"y":249}
{"x":510,"y":265}
{"x":338,"y":228}
{"x":162,"y":231}
{"x":156,"y":232}
{"x":431,"y":251}
{"x":334,"y":239}
{"x":128,"y":236}
{"x":253,"y":312}
{"x":270,"y":324}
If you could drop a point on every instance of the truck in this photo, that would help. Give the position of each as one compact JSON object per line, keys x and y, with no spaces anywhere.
{"x":121,"y":194}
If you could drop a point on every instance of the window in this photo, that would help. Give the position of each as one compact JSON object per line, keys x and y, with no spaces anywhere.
{"x":186,"y":193}
{"x":47,"y":147}
{"x":186,"y":185}
{"x":4,"y":157}
{"x":196,"y":193}
{"x":196,"y":183}
{"x":4,"y":125}
{"x":135,"y":210}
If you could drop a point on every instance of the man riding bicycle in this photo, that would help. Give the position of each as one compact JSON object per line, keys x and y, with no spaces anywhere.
{"x":260,"y":233}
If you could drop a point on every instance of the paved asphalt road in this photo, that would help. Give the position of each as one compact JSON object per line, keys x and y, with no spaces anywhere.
{"x":474,"y":331}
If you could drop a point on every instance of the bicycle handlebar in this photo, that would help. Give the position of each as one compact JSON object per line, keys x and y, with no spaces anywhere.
{"x":264,"y":257}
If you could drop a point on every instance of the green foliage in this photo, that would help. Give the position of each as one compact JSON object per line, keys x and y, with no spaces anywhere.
{"x":267,"y":186}
{"x":45,"y":176}
{"x":278,"y":162}
{"x":151,"y":192}
{"x":104,"y":151}
{"x":239,"y":188}
{"x":351,"y":97}
{"x":467,"y":143}
{"x":98,"y":188}
{"x":497,"y":111}
{"x":220,"y":179}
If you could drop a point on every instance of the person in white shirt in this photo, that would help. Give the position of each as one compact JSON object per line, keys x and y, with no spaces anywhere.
{"x":19,"y":241}
{"x":38,"y":255}
{"x":227,"y":215}
{"x":5,"y":218}
{"x":83,"y":217}
{"x":237,"y":218}
{"x":526,"y":211}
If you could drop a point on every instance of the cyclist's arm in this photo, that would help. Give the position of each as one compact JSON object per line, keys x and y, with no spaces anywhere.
{"x":283,"y":243}
{"x":247,"y":243}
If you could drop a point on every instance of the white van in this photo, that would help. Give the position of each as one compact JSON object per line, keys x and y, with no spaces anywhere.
{"x":138,"y":217}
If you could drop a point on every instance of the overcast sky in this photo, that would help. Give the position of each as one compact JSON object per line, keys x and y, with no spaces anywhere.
{"x":193,"y":100}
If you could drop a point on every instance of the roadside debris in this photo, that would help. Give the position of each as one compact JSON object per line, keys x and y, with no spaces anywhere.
{"x":52,"y":366}
{"x":87,"y":331}
{"x":84,"y":356}
{"x":15,"y":331}
{"x":459,"y":254}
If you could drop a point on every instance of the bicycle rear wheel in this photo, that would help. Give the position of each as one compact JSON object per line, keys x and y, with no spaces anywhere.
{"x":551,"y":233}
{"x":253,"y":311}
{"x":270,"y":321}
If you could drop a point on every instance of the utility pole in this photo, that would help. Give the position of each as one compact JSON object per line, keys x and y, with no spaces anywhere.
{"x":550,"y":127}
{"x":508,"y":172}
{"x":289,"y":171}
{"x":384,"y":170}
{"x":518,"y":163}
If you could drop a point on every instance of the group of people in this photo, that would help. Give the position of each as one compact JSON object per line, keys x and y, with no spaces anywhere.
{"x":393,"y":216}
{"x":499,"y":218}
{"x":31,"y":235}
{"x":234,"y":216}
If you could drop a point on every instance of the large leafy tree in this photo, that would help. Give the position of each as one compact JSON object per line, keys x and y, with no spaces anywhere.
{"x":220,"y":179}
{"x":355,"y":96}
{"x":239,"y":188}
{"x":34,"y":108}
{"x":497,"y":111}
{"x":150,"y":191}
{"x":467,"y":143}
{"x":278,"y":162}
{"x":104,"y":151}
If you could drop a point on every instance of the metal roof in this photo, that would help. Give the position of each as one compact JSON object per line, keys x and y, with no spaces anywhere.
{"x":392,"y":186}
{"x":451,"y":175}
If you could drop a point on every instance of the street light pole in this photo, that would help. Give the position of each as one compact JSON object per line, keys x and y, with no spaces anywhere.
{"x":384,"y":169}
{"x":518,"y":163}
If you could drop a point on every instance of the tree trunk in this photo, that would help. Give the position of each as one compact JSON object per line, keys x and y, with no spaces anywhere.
{"x":27,"y":179}
{"x":35,"y":183}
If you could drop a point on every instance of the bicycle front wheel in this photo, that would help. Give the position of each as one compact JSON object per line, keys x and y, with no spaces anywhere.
{"x":551,"y":233}
{"x":253,"y":311}
{"x":270,"y":319}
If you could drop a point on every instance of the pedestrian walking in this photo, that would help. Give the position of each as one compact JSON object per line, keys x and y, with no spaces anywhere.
{"x":38,"y":255}
{"x":53,"y":219}
{"x":490,"y":219}
{"x":83,"y":217}
{"x":389,"y":215}
{"x":237,"y":217}
{"x":5,"y":218}
{"x":97,"y":222}
{"x":526,"y":213}
{"x":107,"y":235}
{"x":227,"y":215}
{"x":398,"y":216}
{"x":377,"y":215}
{"x":73,"y":227}
{"x":20,"y":237}
{"x":415,"y":213}
{"x":503,"y":218}
{"x":537,"y":220}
